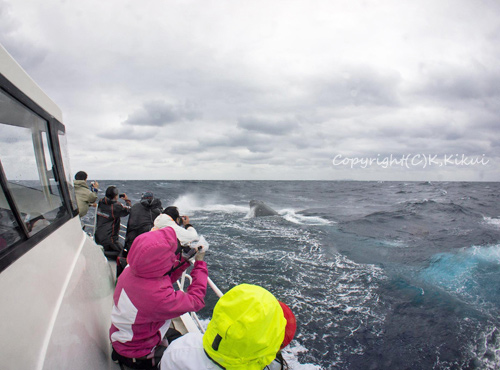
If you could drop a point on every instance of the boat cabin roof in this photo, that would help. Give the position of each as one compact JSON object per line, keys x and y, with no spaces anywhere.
{"x":13,"y":72}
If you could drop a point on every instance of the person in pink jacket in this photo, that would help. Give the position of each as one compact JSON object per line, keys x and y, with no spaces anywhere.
{"x":145,"y":300}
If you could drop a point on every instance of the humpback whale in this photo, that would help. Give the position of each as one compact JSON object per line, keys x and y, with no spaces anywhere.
{"x":258,"y":209}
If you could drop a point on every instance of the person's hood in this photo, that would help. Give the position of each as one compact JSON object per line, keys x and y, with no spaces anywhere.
{"x":80,"y":184}
{"x":246,"y":330}
{"x":291,"y":324}
{"x":152,"y":254}
{"x":163,"y":220}
{"x":151,"y":203}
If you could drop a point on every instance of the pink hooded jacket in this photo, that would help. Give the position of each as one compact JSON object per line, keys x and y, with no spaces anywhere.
{"x":145,"y":300}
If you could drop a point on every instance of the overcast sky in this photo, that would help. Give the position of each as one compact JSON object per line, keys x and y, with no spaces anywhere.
{"x":268,"y":89}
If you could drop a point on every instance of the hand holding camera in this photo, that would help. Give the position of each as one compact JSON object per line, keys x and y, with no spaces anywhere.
{"x":199,"y":256}
{"x":182,"y":220}
{"x":124,"y":197}
{"x":94,"y":186}
{"x":188,"y":252}
{"x":196,"y":248}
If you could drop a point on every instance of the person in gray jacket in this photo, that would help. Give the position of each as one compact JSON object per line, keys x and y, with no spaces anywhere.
{"x":84,"y":196}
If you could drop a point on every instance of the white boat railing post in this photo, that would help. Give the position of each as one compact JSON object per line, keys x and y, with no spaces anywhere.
{"x":194,"y":316}
{"x":95,"y":217}
{"x":183,"y":280}
{"x":93,"y":225}
{"x":211,"y":284}
{"x":214,"y":287}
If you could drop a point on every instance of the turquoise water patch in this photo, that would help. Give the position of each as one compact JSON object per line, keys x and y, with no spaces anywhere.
{"x":471,"y":273}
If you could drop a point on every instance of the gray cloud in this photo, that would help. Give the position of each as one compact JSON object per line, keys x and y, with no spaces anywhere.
{"x":360,"y":85}
{"x":128,"y":133}
{"x":26,"y":53}
{"x":267,"y":126}
{"x":7,"y":22}
{"x":159,"y":113}
{"x":255,"y":143}
{"x":273,"y":102}
{"x":458,"y":82}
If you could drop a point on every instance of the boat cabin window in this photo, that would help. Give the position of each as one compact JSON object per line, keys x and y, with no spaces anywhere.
{"x":10,"y":233}
{"x":29,"y":178}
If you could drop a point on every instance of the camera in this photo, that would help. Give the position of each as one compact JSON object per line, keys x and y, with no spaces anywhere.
{"x":122,"y":195}
{"x":92,"y":187}
{"x":188,"y":252}
{"x":185,"y":250}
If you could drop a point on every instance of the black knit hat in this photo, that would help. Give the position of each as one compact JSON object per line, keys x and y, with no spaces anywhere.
{"x":111,"y":192}
{"x":81,"y":175}
{"x":172,"y":212}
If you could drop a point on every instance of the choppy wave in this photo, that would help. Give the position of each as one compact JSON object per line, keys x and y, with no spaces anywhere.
{"x":486,"y":349}
{"x":430,"y":205}
{"x":393,"y":243}
{"x":192,"y":202}
{"x":297,"y":218}
{"x":164,"y":185}
{"x":471,"y":273}
{"x":382,"y":275}
{"x":189,"y":203}
{"x":492,"y":221}
{"x":331,"y":297}
{"x":291,"y":354}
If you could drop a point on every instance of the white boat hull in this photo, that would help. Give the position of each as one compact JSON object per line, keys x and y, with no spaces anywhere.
{"x":59,"y":298}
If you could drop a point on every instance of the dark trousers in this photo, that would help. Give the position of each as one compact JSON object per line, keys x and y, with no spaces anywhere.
{"x":144,"y":363}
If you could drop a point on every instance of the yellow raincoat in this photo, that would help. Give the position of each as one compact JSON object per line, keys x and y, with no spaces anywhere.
{"x":246,"y":330}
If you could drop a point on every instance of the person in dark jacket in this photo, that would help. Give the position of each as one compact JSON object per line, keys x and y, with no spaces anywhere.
{"x":142,"y":216}
{"x":109,"y":213}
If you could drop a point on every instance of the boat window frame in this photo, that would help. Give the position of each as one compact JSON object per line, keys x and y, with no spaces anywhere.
{"x":18,"y":249}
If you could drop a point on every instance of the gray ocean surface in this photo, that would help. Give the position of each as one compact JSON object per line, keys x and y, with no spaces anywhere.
{"x":380,"y":275}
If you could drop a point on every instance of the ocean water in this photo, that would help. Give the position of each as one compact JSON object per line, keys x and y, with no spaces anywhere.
{"x":380,"y":275}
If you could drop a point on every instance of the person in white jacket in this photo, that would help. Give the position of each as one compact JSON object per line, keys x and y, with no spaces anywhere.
{"x":185,"y":232}
{"x":248,"y":330}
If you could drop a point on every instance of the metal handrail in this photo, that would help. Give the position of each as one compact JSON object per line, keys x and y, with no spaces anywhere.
{"x":215,"y":289}
{"x":94,"y":225}
{"x":211,"y":284}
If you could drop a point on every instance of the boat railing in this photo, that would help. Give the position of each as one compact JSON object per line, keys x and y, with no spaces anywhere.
{"x":86,"y":226}
{"x":93,"y":225}
{"x":181,"y":283}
